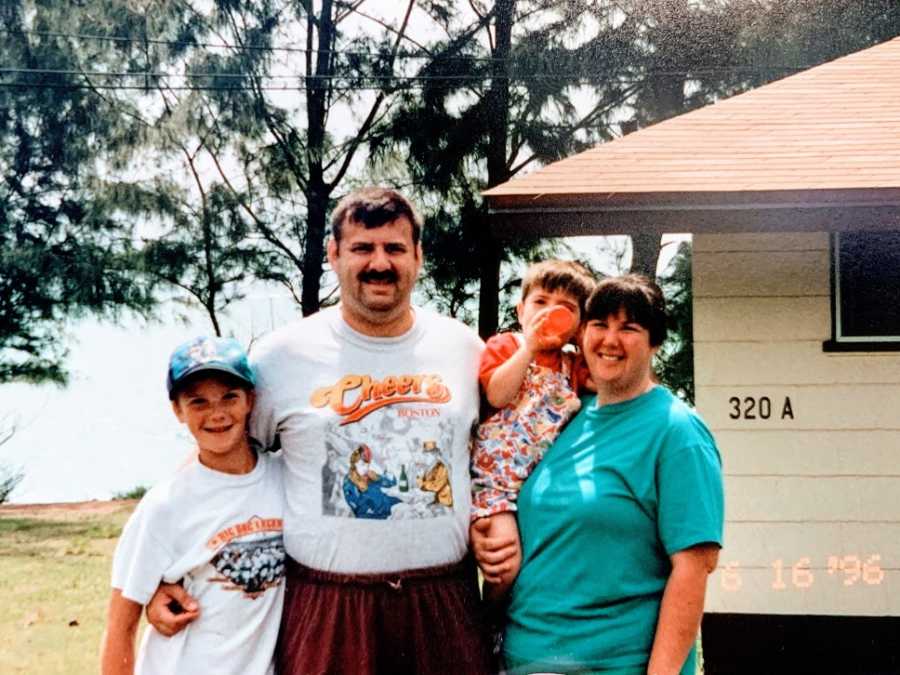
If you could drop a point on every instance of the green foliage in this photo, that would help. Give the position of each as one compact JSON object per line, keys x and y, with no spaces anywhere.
{"x":579,"y":73}
{"x":61,"y":253}
{"x":230,"y":177}
{"x":698,"y":52}
{"x":252,"y":130}
{"x":136,"y":492}
{"x":204,"y":248}
{"x":490,"y":108}
{"x":10,"y":478}
{"x":674,"y":364}
{"x":35,"y":532}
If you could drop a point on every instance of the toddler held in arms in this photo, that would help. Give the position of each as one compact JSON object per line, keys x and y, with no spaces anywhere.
{"x":532,"y":384}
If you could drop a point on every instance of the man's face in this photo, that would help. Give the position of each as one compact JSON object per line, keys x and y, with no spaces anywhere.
{"x":376,"y":269}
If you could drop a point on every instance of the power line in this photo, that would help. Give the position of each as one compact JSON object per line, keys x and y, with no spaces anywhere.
{"x":228,"y":45}
{"x":420,"y":83}
{"x":119,"y":87}
{"x":338,"y":51}
{"x":94,"y":73}
{"x":573,"y":77}
{"x":153,"y":41}
{"x":193,"y":87}
{"x":20,"y":85}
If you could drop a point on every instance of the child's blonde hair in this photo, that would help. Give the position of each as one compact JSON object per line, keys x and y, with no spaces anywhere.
{"x":560,"y":275}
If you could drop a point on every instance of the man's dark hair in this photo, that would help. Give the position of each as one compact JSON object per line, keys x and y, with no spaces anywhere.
{"x":373,"y":207}
{"x":641,"y":298}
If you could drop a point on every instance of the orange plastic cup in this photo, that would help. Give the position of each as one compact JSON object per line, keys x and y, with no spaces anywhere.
{"x":558,"y":322}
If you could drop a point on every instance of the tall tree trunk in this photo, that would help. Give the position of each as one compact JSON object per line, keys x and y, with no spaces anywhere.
{"x":665,"y":89}
{"x":214,"y":319}
{"x":663,"y":98}
{"x":209,"y":297}
{"x":314,"y":251}
{"x":497,"y":164}
{"x":318,"y":191}
{"x":645,"y":247}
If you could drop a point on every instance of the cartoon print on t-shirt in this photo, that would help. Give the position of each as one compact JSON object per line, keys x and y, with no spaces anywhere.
{"x":250,"y":556}
{"x":363,"y":486}
{"x":436,"y":478}
{"x":388,"y":462}
{"x":371,"y":471}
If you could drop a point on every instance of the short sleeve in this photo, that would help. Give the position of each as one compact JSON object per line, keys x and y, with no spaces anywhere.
{"x":263,"y":426}
{"x":141,"y":558}
{"x":690,"y":496}
{"x":497,"y":350}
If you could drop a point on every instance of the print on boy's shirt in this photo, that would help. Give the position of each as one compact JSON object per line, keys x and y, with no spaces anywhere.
{"x":384,"y":454}
{"x":250,"y":556}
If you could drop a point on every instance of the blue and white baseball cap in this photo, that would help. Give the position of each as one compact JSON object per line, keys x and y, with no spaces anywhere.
{"x":224,"y":355}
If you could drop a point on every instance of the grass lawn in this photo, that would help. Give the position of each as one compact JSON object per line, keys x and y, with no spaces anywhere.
{"x":55,"y":584}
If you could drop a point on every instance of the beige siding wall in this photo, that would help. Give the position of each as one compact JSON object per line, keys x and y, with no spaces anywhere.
{"x":810,"y":440}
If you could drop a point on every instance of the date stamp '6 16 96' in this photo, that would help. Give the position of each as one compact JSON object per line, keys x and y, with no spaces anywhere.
{"x":849,"y":570}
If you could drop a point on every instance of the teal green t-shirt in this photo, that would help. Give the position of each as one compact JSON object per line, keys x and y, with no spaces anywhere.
{"x":625,"y":486}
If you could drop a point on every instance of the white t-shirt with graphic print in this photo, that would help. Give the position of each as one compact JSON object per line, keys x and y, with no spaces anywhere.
{"x":222,"y":535}
{"x":375,"y":436}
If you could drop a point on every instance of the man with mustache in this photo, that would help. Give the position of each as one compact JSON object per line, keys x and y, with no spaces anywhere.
{"x":371,"y":595}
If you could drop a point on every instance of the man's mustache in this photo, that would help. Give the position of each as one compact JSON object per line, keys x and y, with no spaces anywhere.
{"x":378,"y":275}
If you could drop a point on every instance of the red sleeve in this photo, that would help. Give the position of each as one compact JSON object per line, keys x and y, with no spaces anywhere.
{"x":497,"y":350}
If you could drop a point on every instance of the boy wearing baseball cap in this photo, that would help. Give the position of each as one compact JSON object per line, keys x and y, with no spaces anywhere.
{"x":215,"y":526}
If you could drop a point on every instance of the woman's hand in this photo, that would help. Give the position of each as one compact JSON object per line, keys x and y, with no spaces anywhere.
{"x":171,"y":609}
{"x":499,"y":556}
{"x":682,"y":608}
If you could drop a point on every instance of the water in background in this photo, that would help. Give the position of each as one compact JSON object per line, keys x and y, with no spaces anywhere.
{"x":112,"y":428}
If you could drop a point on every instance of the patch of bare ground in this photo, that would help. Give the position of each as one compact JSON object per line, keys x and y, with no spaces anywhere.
{"x":94,"y":507}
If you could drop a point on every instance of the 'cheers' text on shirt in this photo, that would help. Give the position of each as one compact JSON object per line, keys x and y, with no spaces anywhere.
{"x":366,"y":394}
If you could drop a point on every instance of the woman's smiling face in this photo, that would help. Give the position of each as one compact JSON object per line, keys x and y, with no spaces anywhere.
{"x":619,"y":356}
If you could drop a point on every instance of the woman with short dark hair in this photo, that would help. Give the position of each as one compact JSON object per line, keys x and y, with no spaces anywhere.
{"x":621,"y":522}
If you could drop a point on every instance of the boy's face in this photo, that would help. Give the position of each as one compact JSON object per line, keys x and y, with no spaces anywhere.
{"x":215,"y":411}
{"x":540,"y":300}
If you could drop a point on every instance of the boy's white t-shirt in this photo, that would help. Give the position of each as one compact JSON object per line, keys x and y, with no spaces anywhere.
{"x":375,"y":435}
{"x":221,"y":534}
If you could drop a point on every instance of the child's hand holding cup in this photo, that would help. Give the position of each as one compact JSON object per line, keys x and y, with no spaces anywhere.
{"x":549,"y":329}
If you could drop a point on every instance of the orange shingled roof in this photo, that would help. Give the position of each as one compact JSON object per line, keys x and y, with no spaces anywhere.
{"x":827,"y":135}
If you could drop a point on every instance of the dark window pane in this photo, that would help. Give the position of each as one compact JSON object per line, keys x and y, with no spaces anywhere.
{"x":869,"y":284}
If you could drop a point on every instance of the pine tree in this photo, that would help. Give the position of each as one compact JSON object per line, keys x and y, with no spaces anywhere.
{"x":62,"y":254}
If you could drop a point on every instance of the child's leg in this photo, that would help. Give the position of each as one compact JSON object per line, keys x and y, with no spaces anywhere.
{"x":496,"y":477}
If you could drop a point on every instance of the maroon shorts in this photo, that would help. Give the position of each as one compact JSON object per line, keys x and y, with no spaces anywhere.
{"x":417,"y":622}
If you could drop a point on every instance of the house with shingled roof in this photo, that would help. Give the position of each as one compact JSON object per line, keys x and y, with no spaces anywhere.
{"x":792,"y":195}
